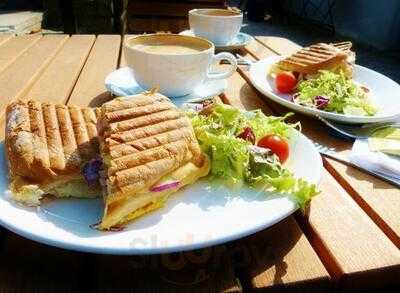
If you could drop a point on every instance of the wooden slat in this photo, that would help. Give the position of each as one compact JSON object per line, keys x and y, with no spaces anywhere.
{"x":356,"y":251}
{"x":4,"y":38}
{"x":103,"y":58}
{"x":57,"y":81}
{"x":257,"y":50}
{"x":15,"y":47}
{"x":16,"y":79}
{"x":279,"y":45}
{"x":378,"y":199}
{"x":242,"y":95}
{"x":280,"y":258}
{"x":201,"y":271}
{"x":27,"y":266}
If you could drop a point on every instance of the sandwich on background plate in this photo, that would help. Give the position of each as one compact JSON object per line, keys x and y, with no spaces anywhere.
{"x":309,"y":60}
{"x":321,"y":76}
{"x":47,"y":147}
{"x":149,"y":151}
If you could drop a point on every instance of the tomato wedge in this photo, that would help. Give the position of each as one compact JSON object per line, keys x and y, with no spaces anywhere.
{"x":277,"y":145}
{"x":285,"y":82}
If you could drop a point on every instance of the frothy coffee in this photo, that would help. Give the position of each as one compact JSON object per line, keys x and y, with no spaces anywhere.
{"x":169,"y":49}
{"x":217,"y":12}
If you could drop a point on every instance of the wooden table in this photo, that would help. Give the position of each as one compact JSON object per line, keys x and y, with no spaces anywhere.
{"x":348,"y":239}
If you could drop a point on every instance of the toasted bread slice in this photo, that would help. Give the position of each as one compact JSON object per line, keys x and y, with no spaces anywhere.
{"x":46,"y":146}
{"x":145,"y":142}
{"x":309,"y":60}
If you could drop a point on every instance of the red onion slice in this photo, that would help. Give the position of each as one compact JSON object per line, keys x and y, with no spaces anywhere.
{"x":321,"y":102}
{"x":247,"y":134}
{"x":165,"y":186}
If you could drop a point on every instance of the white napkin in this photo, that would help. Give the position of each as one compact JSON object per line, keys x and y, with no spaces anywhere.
{"x":386,"y":165}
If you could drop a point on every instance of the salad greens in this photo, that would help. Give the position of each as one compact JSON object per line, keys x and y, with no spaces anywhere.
{"x":236,"y":161}
{"x":341,"y":95}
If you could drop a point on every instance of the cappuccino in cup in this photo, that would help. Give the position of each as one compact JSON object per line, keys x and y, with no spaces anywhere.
{"x":220,"y":26}
{"x":174,"y":64}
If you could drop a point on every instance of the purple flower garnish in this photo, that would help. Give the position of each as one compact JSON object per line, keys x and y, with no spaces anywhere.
{"x":91,"y":170}
{"x":321,"y":102}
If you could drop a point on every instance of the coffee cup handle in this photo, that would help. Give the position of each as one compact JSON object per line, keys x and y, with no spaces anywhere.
{"x":232,"y":68}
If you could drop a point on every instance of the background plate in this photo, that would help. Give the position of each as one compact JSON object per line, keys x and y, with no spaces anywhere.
{"x":385,"y":93}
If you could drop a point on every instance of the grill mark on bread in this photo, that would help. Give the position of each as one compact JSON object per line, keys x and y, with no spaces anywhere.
{"x":134,"y":134}
{"x":144,"y":121}
{"x":153,"y":141}
{"x":146,"y":156}
{"x":301,"y":61}
{"x":19,"y":138}
{"x":321,"y":51}
{"x":149,"y":173}
{"x":39,"y":143}
{"x":80,"y":132}
{"x":136,"y":112}
{"x":54,"y":141}
{"x":68,"y":137}
{"x":90,"y":118}
{"x":344,"y":46}
{"x":309,"y":56}
{"x":136,"y":102}
{"x":313,"y":58}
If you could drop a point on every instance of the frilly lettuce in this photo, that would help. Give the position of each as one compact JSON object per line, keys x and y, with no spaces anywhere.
{"x":345,"y":96}
{"x":235,"y":161}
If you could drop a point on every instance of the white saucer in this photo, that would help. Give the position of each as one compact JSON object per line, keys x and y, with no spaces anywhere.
{"x":239,"y":42}
{"x":122,"y":82}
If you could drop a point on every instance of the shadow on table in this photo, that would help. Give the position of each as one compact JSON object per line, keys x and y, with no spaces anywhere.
{"x":265,"y":251}
{"x":359,"y":175}
{"x":100,"y":99}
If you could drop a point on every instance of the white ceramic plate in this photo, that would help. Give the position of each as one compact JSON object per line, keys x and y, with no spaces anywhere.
{"x":385,"y":93}
{"x":197,"y":216}
{"x":239,"y":42}
{"x":122,"y":82}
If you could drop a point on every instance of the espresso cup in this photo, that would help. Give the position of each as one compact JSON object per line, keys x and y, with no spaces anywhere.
{"x":174,"y":64}
{"x":220,"y":26}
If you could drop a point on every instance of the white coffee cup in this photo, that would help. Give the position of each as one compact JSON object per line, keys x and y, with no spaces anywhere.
{"x":220,"y":26}
{"x":174,"y":64}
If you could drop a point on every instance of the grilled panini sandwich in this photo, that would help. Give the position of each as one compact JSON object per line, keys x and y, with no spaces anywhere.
{"x":149,"y":151}
{"x":310,"y":60}
{"x":46,"y":146}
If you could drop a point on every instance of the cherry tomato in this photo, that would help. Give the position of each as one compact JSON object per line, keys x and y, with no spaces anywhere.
{"x":285,"y":82}
{"x":277,"y":145}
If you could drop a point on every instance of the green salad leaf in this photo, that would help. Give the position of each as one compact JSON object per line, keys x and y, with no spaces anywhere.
{"x":236,"y":161}
{"x":345,"y":96}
